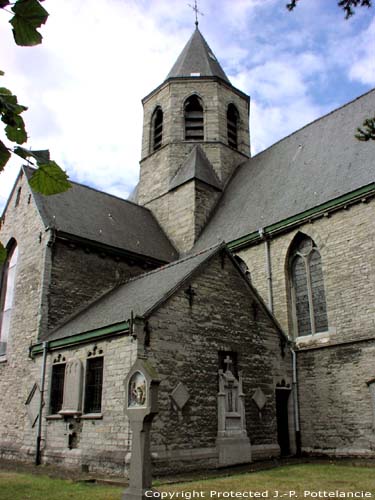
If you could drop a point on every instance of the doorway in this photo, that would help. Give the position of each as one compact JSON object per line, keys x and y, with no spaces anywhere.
{"x":282,"y":397}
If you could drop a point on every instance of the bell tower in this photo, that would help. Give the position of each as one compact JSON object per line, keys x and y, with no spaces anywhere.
{"x":195,"y":134}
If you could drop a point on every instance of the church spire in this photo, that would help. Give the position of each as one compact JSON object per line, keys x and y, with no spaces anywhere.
{"x":197,"y":59}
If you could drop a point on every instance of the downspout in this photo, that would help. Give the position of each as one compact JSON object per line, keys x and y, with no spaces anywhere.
{"x":41,"y":404}
{"x":268,"y":267}
{"x":296,"y":404}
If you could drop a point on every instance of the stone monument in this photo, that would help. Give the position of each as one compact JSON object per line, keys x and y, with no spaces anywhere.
{"x":141,"y":405}
{"x":232,"y":441}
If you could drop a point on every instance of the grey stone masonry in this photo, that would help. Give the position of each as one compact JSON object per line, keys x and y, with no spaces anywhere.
{"x":185,"y":341}
{"x":21,"y":222}
{"x":79,"y":274}
{"x":333,"y":366}
{"x":158,"y":168}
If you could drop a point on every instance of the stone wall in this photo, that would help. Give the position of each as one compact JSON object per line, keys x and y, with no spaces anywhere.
{"x":23,"y":223}
{"x":158,"y":168}
{"x":80,"y":274}
{"x":331,"y":380}
{"x":103,"y":440}
{"x":185,"y":341}
{"x":336,"y":407}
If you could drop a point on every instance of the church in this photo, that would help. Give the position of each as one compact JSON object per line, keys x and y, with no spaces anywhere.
{"x":246,"y":283}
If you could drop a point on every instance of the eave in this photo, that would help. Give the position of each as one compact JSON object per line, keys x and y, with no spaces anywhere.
{"x":324,"y":210}
{"x":81,"y":338}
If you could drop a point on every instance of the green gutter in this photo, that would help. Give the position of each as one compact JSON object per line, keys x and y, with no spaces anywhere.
{"x":80,"y":338}
{"x":302,"y":217}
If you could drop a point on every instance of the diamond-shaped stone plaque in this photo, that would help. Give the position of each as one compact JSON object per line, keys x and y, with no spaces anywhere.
{"x":259,"y":399}
{"x":180,"y":395}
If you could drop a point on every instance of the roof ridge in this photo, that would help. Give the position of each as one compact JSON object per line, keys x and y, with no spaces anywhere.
{"x":312,"y":122}
{"x":170,"y":264}
{"x":94,"y":189}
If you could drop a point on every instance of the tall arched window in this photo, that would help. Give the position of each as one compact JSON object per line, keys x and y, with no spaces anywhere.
{"x":194,"y":129}
{"x":307,"y":288}
{"x":157,"y":128}
{"x":7,"y":293}
{"x":232,"y":125}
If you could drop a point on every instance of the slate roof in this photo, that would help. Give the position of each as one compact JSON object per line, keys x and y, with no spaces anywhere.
{"x":314,"y":165}
{"x":197,"y":57}
{"x":196,"y":166}
{"x":141,"y":295}
{"x":100,"y":217}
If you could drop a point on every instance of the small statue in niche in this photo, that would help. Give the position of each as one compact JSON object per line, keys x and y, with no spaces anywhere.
{"x":137,"y":390}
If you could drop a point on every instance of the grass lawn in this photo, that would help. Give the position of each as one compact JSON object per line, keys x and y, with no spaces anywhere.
{"x":284,"y":482}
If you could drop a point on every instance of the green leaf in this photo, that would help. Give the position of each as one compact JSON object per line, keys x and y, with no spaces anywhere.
{"x":29,"y":15}
{"x":40,"y":156}
{"x":2,"y":73}
{"x":49,"y":179}
{"x":4,"y":155}
{"x":4,"y":91}
{"x":3,"y":253}
{"x":16,"y":133}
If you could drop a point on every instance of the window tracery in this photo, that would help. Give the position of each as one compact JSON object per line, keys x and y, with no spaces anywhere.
{"x":307,"y":288}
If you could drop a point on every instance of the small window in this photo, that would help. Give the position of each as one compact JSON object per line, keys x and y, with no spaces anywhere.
{"x":243,"y":266}
{"x":157,"y":129}
{"x":194,"y":130}
{"x":7,"y":294}
{"x":232,"y":125}
{"x":57,"y":388}
{"x":94,"y":384}
{"x":307,"y":288}
{"x":18,"y":197}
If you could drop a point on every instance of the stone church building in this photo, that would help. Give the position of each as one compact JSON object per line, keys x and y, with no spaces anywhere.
{"x":247,"y":283}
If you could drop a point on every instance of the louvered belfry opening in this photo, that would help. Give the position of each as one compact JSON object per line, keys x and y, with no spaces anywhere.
{"x":157,"y":128}
{"x":194,"y":129}
{"x":232,"y":124}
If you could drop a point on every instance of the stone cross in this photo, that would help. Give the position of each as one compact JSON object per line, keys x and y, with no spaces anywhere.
{"x":228,"y":362}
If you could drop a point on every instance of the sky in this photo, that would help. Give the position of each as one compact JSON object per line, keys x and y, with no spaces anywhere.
{"x":83,"y":86}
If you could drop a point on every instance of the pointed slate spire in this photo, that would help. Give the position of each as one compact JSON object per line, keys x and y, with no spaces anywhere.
{"x":197,"y":59}
{"x":196,"y":166}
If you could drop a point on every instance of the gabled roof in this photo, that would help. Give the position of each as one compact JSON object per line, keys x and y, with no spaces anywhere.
{"x":196,"y":166}
{"x":142,"y":295}
{"x":314,"y":165}
{"x":102,"y":218}
{"x":197,"y":59}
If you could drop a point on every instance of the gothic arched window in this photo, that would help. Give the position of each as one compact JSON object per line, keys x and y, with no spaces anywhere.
{"x":232,"y":125}
{"x":7,"y":293}
{"x":307,"y":288}
{"x":157,"y":128}
{"x":194,"y":129}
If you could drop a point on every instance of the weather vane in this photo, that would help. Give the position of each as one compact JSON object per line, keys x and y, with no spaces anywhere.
{"x":195,"y":9}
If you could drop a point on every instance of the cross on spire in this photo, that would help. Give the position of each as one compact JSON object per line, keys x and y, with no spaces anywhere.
{"x":197,"y":11}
